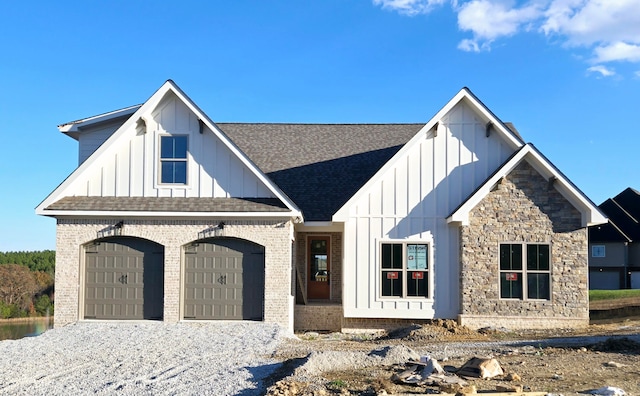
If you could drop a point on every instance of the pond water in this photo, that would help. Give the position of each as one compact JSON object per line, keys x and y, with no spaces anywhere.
{"x":13,"y":330}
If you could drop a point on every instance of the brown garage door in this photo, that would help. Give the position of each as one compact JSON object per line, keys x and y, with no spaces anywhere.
{"x":124,"y":279}
{"x":224,"y":280}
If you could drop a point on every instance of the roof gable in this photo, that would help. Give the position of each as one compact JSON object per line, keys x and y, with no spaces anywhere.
{"x":624,"y":213}
{"x":591,"y":215}
{"x":135,"y":125}
{"x":492,"y":126}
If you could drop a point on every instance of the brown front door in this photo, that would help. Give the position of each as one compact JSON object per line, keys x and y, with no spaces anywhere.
{"x":319,"y":268}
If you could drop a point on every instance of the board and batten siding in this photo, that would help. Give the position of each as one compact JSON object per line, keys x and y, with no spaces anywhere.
{"x":130,"y":169}
{"x":92,"y":137}
{"x":410,"y":202}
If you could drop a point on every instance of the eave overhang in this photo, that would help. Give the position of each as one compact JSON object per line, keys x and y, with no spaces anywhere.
{"x":591,"y":215}
{"x":73,"y":128}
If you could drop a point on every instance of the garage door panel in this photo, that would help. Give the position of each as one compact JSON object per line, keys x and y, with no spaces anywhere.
{"x":223,"y":269}
{"x":124,"y":279}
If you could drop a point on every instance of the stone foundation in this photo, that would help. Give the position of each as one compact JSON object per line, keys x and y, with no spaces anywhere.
{"x":476,"y":322}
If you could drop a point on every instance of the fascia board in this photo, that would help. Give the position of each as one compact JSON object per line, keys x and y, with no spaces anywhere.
{"x":343,"y":213}
{"x":591,"y":215}
{"x":75,"y":125}
{"x":463,"y":94}
{"x":144,"y":214}
{"x":504,"y":131}
{"x":235,"y":149}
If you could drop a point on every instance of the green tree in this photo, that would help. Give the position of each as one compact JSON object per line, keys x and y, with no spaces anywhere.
{"x":36,"y":261}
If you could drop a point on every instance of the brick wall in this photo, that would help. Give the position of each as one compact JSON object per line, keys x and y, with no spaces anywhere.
{"x":524,"y":208}
{"x":274,"y":235}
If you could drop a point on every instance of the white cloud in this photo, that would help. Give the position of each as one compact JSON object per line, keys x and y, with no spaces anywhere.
{"x":618,"y":51}
{"x":469,"y":45}
{"x":587,"y":22}
{"x":610,"y":29}
{"x":488,"y":19}
{"x":410,"y":7}
{"x":602,"y":70}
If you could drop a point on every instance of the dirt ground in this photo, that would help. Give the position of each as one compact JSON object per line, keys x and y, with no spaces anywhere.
{"x":604,"y":354}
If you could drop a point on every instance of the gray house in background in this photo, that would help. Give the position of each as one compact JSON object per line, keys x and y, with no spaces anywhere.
{"x":614,"y":247}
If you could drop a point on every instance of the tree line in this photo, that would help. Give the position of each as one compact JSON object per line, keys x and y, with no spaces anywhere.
{"x":26,"y":283}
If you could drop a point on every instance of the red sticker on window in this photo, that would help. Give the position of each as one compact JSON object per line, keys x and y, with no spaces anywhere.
{"x":392,"y":275}
{"x":417,"y":275}
{"x":511,"y":276}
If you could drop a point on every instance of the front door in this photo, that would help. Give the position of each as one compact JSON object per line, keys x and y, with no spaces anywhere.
{"x":319,"y":268}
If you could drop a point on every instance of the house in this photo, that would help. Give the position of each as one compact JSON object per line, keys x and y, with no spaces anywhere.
{"x":170,"y":216}
{"x":614,"y":261}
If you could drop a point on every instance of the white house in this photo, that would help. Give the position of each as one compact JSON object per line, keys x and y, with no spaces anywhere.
{"x":170,"y":216}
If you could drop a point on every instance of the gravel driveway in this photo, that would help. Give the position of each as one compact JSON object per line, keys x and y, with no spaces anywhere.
{"x":142,"y":358}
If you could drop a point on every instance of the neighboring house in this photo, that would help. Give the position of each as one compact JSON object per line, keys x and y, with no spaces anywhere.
{"x":328,"y":227}
{"x":614,"y":260}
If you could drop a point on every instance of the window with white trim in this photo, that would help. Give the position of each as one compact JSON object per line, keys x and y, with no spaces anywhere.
{"x":173,"y":159}
{"x":598,"y":251}
{"x":525,"y":271}
{"x":404,"y":269}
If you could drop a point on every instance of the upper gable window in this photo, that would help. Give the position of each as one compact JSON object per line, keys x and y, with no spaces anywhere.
{"x":173,"y":159}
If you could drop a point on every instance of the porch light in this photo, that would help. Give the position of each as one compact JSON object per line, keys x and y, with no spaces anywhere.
{"x":112,"y":230}
{"x":212,"y":231}
{"x":488,"y":128}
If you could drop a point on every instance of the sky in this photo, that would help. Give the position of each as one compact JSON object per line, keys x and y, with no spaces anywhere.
{"x":565,"y":72}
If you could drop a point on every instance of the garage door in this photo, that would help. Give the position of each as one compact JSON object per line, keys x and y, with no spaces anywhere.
{"x":124,"y":279}
{"x":224,"y":280}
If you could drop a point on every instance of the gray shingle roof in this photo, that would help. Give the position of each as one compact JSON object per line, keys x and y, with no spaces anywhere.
{"x":623,"y":212}
{"x":320,"y":166}
{"x":165,"y":204}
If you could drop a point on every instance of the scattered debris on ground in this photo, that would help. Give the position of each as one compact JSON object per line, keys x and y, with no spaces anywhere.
{"x":445,"y":358}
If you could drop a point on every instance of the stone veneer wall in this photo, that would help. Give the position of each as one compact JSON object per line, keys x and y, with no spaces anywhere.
{"x":524,"y":208}
{"x":335,"y":272}
{"x":274,"y":235}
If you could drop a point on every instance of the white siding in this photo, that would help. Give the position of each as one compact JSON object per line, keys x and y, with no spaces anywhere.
{"x":91,"y":138}
{"x":411,"y":202}
{"x":130,"y":168}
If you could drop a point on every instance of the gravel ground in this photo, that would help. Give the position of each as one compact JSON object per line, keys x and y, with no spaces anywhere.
{"x":142,"y":358}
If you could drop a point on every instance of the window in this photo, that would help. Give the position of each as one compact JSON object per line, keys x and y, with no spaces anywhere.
{"x":405,"y":270}
{"x":531,"y":280}
{"x":173,"y":159}
{"x":597,"y":251}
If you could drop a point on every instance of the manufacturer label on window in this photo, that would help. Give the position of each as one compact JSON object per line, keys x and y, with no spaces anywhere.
{"x":510,"y":276}
{"x":417,"y":275}
{"x":392,"y":275}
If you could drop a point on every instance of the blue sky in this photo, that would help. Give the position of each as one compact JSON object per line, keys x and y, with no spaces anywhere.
{"x":565,"y":72}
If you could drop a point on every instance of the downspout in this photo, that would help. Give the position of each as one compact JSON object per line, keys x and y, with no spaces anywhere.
{"x":627,"y":274}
